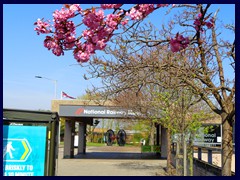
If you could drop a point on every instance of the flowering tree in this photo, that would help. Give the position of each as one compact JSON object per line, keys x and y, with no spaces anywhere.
{"x":196,"y":56}
{"x":99,"y":28}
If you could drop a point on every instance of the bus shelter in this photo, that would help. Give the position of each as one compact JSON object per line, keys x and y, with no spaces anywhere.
{"x":30,"y":142}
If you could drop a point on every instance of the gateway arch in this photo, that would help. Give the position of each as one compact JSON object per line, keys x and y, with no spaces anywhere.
{"x":84,"y":113}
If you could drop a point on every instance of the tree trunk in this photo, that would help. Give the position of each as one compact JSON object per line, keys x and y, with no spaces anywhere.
{"x":227,"y":144}
{"x":151,"y":139}
{"x":184,"y":156}
{"x":169,"y":166}
{"x":190,"y":154}
{"x":179,"y":157}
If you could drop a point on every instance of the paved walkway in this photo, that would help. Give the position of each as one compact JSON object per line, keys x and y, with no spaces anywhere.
{"x":111,"y":161}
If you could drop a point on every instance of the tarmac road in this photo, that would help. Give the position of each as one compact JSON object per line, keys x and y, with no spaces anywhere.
{"x":111,"y":161}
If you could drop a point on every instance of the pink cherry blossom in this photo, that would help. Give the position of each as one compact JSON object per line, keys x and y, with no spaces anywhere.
{"x":93,"y":19}
{"x":49,"y":42}
{"x":140,"y":11}
{"x":175,"y":45}
{"x":81,"y":56}
{"x":87,"y":33}
{"x":199,"y":23}
{"x":100,"y":45}
{"x":66,"y":13}
{"x":110,"y":6}
{"x":75,"y":7}
{"x":179,"y":43}
{"x":63,"y":28}
{"x":69,"y":41}
{"x":58,"y":51}
{"x":42,"y":27}
{"x":209,"y":25}
{"x":199,"y":15}
{"x":124,"y":22}
{"x":135,"y":14}
{"x":98,"y":28}
{"x":112,"y":20}
{"x":63,"y":14}
{"x":86,"y":47}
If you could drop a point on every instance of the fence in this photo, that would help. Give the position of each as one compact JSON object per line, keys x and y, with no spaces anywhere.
{"x":207,"y":159}
{"x":212,"y":155}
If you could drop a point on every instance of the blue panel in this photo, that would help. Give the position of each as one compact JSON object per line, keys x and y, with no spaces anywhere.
{"x":24,"y":150}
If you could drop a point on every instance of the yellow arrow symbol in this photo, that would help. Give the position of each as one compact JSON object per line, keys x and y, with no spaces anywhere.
{"x":26,"y":150}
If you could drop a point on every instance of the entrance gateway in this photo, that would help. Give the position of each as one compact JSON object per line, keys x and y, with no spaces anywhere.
{"x":84,"y":112}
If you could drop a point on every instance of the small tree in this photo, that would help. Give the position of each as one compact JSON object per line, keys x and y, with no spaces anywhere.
{"x":180,"y":117}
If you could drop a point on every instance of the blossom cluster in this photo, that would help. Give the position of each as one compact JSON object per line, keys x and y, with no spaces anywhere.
{"x":110,"y":6}
{"x":64,"y":34}
{"x":98,"y":32}
{"x":200,"y":22}
{"x":99,"y":28}
{"x":140,"y":11}
{"x":42,"y":27}
{"x":179,"y":43}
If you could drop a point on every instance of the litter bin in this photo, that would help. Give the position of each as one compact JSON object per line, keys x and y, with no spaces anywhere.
{"x":30,"y":142}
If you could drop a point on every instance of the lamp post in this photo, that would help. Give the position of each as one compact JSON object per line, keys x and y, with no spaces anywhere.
{"x":55,"y":84}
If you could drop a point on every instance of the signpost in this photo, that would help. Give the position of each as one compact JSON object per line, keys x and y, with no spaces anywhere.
{"x":24,"y":149}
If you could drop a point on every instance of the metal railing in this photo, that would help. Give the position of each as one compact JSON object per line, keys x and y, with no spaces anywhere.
{"x":208,"y":149}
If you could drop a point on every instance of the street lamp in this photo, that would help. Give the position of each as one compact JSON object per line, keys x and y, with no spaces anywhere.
{"x":55,"y":84}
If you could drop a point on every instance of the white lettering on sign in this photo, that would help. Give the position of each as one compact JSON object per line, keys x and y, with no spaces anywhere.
{"x":15,"y":167}
{"x":18,"y":170}
{"x":109,"y":112}
{"x":23,"y":174}
{"x":210,"y":135}
{"x":113,"y":112}
{"x":209,"y":140}
{"x":130,"y":112}
{"x":94,"y":111}
{"x":16,"y":124}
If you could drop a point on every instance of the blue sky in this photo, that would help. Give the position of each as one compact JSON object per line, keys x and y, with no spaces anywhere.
{"x":25,"y":57}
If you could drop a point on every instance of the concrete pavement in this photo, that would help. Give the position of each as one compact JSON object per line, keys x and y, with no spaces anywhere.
{"x":111,"y":161}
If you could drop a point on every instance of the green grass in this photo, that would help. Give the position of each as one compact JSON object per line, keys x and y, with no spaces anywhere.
{"x":95,"y":144}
